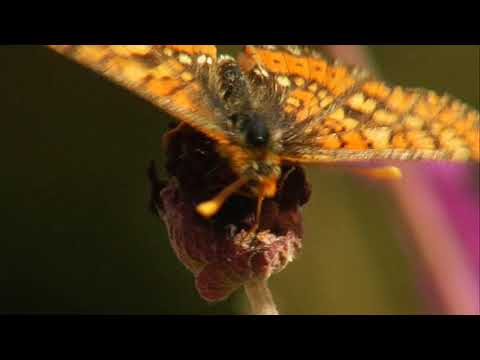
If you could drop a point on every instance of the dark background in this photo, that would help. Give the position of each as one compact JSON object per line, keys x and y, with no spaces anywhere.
{"x":76,"y":235}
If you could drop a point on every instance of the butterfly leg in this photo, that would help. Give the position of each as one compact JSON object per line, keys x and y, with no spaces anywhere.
{"x":380,"y":173}
{"x":260,"y":199}
{"x":268,"y":189}
{"x":167,"y":137}
{"x":209,"y":208}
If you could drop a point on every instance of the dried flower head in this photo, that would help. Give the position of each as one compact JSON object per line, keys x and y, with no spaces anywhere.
{"x":220,"y":251}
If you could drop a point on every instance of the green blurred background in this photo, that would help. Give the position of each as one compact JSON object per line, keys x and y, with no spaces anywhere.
{"x":76,"y":233}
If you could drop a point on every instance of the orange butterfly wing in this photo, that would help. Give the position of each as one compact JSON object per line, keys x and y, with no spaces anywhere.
{"x":342,"y":113}
{"x":166,"y":75}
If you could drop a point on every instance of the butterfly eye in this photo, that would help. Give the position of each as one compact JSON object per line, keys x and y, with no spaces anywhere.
{"x":255,"y":131}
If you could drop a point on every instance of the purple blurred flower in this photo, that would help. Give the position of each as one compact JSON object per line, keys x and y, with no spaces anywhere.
{"x":441,"y":205}
{"x":454,"y":186}
{"x":440,"y":201}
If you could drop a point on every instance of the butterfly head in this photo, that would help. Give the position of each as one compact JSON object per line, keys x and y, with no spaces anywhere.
{"x":253,"y":129}
{"x":252,"y":151}
{"x":252,"y":158}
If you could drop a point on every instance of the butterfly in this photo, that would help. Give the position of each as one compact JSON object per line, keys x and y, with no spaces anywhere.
{"x":278,"y":104}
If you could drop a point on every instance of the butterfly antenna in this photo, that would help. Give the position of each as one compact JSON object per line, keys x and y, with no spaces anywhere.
{"x":209,"y":208}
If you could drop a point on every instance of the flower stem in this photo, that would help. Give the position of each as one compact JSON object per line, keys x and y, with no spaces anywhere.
{"x":260,"y":297}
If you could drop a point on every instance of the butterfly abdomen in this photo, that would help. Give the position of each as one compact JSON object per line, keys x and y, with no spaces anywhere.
{"x":233,"y":84}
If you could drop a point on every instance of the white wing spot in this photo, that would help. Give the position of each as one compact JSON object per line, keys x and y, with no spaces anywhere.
{"x":283,"y":81}
{"x":202,"y":59}
{"x":224,"y":57}
{"x":185,"y":59}
{"x":295,"y":50}
{"x":168,"y":51}
{"x":261,"y":72}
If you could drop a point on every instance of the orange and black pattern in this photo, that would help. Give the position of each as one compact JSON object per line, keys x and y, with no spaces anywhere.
{"x":344,"y":113}
{"x":318,"y":110}
{"x":173,"y":77}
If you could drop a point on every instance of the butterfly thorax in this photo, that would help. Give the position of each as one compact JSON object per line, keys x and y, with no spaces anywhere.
{"x":251,"y":124}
